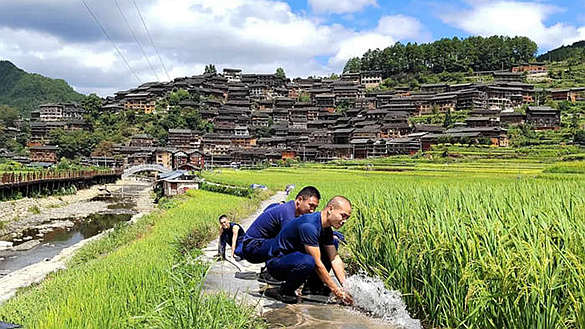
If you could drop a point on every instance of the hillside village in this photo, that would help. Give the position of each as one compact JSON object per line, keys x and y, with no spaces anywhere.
{"x":260,"y":118}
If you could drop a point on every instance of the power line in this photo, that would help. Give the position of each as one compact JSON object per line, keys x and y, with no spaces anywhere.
{"x":112,"y":41}
{"x":136,"y":39}
{"x":151,"y":42}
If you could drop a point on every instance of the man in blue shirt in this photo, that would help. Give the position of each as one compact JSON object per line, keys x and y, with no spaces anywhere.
{"x":255,"y":246}
{"x":231,"y":234}
{"x":298,"y":251}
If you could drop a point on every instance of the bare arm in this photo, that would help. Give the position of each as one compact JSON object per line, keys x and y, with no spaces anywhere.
{"x":336,"y":263}
{"x":234,"y":239}
{"x":324,"y":275}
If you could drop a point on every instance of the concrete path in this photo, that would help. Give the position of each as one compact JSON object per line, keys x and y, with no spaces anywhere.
{"x":222,"y":277}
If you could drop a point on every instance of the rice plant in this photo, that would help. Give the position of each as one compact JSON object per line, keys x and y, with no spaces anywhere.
{"x":497,"y":247}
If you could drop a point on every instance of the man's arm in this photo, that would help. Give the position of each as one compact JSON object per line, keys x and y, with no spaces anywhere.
{"x":336,"y":263}
{"x":221,"y":245}
{"x":235,"y":238}
{"x":324,"y":275}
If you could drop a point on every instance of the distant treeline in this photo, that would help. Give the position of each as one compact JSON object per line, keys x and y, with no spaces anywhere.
{"x":577,"y":49}
{"x":446,"y":55}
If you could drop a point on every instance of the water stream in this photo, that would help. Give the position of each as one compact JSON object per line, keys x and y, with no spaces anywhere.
{"x":371,"y":297}
{"x":50,"y":237}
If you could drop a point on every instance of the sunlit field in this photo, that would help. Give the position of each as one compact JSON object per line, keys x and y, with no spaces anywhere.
{"x":492,"y":244}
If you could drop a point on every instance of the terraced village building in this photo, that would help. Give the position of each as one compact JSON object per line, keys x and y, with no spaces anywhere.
{"x":256,"y":121}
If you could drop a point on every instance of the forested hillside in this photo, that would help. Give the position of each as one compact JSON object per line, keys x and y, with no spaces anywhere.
{"x":576,"y":50}
{"x":25,"y":91}
{"x":446,"y":55}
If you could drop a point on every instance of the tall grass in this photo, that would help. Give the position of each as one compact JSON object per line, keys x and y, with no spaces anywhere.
{"x":137,"y":278}
{"x":506,"y":251}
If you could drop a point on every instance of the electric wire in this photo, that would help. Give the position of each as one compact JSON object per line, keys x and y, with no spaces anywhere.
{"x":151,"y":41}
{"x":136,"y":39}
{"x":112,"y":41}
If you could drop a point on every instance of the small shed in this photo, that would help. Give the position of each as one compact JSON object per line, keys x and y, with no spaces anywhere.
{"x":178,"y":182}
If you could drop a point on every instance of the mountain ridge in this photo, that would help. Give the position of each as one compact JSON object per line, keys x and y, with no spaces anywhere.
{"x":25,"y":91}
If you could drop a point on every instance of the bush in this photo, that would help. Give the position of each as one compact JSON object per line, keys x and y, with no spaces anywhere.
{"x":227,"y":189}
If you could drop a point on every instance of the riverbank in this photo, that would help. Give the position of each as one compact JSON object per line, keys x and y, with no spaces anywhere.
{"x":146,"y":274}
{"x":55,"y":243}
{"x":19,"y":215}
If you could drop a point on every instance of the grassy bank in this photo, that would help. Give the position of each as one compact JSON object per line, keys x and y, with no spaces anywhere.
{"x":473,"y":245}
{"x":140,"y":276}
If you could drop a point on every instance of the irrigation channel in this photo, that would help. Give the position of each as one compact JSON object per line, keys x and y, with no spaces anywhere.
{"x":39,"y":243}
{"x":375,"y":306}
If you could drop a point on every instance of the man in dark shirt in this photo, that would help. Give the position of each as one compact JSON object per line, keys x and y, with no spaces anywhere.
{"x":297,"y":251}
{"x":231,"y":234}
{"x":255,"y":248}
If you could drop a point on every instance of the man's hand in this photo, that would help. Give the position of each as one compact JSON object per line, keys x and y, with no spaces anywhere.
{"x":343,"y":296}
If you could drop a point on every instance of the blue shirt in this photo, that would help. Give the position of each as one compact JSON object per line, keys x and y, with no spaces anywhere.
{"x":304,"y":231}
{"x":272,"y":205}
{"x":271,"y":221}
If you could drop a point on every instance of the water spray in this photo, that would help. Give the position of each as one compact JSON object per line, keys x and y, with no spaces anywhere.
{"x":371,"y":296}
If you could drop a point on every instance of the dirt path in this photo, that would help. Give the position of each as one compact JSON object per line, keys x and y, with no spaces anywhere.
{"x":221,"y":277}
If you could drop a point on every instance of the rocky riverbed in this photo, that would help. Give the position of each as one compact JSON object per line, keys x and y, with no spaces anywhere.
{"x":42,"y":241}
{"x":45,"y":214}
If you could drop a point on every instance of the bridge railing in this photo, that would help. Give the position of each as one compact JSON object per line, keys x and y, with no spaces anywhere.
{"x":11,"y":178}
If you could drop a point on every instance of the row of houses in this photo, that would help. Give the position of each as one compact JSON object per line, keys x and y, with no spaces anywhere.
{"x":262,"y":117}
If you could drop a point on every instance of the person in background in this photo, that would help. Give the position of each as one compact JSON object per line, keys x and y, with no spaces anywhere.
{"x":231,"y":234}
{"x":301,"y":246}
{"x":255,"y":247}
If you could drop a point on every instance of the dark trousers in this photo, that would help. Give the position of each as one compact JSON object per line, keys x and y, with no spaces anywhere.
{"x":313,"y":281}
{"x":257,"y":250}
{"x":294,"y":269}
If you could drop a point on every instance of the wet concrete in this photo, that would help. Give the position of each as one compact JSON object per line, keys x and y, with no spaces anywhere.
{"x":238,"y":279}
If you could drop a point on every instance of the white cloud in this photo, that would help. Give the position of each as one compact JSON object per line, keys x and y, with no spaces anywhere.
{"x":514,"y":18}
{"x":400,"y":27}
{"x":256,"y":35}
{"x":356,"y":46}
{"x":340,"y":6}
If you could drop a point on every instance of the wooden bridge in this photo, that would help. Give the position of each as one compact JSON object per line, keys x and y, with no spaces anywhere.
{"x":46,"y":181}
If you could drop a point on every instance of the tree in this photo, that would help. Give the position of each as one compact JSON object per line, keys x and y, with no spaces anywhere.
{"x":210,"y":69}
{"x":92,"y":104}
{"x":280,"y":73}
{"x":104,"y":148}
{"x":448,"y":119}
{"x":73,"y":143}
{"x":176,"y":97}
{"x":304,"y":97}
{"x":579,"y":137}
{"x":8,"y":115}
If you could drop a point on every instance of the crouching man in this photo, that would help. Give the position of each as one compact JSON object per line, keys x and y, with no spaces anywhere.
{"x":298,"y":252}
{"x":231,"y":234}
{"x":257,"y":244}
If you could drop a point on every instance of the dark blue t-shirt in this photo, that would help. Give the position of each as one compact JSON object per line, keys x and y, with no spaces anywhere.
{"x":228,"y":234}
{"x":272,"y":205}
{"x":271,"y":221}
{"x":305,"y":230}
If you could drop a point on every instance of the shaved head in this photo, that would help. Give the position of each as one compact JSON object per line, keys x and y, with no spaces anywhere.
{"x":338,"y":202}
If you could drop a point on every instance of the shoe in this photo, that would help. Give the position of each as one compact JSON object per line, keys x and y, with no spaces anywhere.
{"x":320,"y":291}
{"x":281,"y":295}
{"x":265,"y":277}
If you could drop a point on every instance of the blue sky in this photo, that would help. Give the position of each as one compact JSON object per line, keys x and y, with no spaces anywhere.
{"x":60,"y":39}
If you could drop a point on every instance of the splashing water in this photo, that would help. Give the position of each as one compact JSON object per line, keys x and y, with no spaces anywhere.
{"x":370,"y":295}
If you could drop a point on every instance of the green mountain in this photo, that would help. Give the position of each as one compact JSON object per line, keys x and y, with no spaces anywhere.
{"x":25,"y":91}
{"x":565,"y":52}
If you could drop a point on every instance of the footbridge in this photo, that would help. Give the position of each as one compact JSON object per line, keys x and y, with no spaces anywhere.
{"x":145,"y":167}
